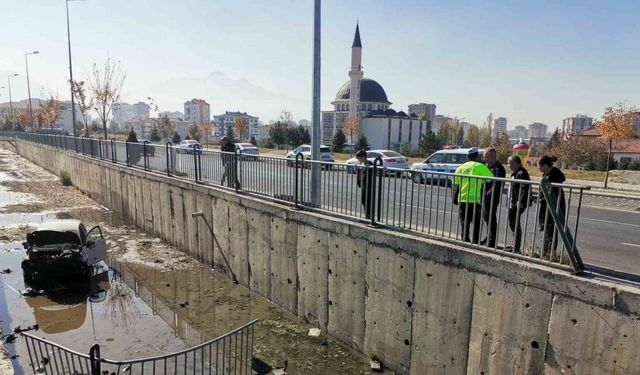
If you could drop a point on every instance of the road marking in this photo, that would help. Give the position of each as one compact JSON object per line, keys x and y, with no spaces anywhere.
{"x":612,"y":222}
{"x":629,"y":244}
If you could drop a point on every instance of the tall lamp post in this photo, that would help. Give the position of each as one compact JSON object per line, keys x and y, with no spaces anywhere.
{"x":10,"y":100}
{"x":73,"y":102}
{"x":26,"y":64}
{"x":315,"y":116}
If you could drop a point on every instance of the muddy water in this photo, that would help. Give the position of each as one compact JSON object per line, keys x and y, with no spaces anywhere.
{"x":148,"y":299}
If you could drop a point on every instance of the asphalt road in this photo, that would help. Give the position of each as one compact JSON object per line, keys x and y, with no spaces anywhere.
{"x":607,"y":236}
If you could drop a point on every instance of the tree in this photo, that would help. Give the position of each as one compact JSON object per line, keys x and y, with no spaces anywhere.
{"x":165,"y":126}
{"x":485,"y":132}
{"x":132,"y":136}
{"x":458,"y":134}
{"x":555,"y":139}
{"x":80,"y":94}
{"x":231,"y":134}
{"x":286,"y":117}
{"x":176,"y":138}
{"x":155,"y":136}
{"x":298,"y":135}
{"x":616,"y":123}
{"x":350,"y":127}
{"x":240,"y":125}
{"x":278,"y":133}
{"x":445,"y":133}
{"x":105,"y":85}
{"x":503,"y":147}
{"x":362,"y":143}
{"x":50,"y":110}
{"x":23,"y":119}
{"x":194,"y":132}
{"x":572,"y":149}
{"x":472,"y":138}
{"x":339,"y":140}
{"x":253,"y":141}
{"x":429,"y":143}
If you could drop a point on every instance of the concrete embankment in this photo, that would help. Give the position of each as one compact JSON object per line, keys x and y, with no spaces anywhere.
{"x":420,"y":305}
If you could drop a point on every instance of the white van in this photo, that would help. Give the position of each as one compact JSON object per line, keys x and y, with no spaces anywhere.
{"x":440,"y":161}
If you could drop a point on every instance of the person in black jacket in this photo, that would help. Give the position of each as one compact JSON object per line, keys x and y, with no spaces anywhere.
{"x":518,"y":200}
{"x":492,"y":193}
{"x":545,"y":221}
{"x":366,"y":183}
{"x":228,"y":163}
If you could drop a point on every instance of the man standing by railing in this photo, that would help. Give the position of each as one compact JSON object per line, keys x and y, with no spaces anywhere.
{"x":467,"y":194}
{"x":366,"y":183}
{"x":519,"y":199}
{"x":492,"y":194}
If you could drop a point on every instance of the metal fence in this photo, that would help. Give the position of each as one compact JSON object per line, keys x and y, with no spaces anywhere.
{"x":227,"y":354}
{"x":541,"y":227}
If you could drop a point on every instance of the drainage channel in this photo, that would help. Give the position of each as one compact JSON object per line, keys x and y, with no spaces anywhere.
{"x":147,"y":299}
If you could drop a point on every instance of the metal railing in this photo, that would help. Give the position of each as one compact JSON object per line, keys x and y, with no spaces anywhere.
{"x":542,"y":228}
{"x":230,"y":353}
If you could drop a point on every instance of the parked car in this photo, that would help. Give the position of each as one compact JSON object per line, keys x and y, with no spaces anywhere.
{"x":186,"y":146}
{"x":247,"y":151}
{"x":150,"y":149}
{"x":390,"y":159}
{"x":62,"y":248}
{"x":305,"y":151}
{"x":440,"y":161}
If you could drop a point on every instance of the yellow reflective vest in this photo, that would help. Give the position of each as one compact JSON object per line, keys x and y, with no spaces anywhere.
{"x":471,"y":188}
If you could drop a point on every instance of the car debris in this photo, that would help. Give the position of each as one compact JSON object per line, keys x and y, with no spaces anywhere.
{"x":315,"y":332}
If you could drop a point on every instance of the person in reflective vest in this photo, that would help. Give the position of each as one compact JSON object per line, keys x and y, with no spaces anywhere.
{"x":468,"y":194}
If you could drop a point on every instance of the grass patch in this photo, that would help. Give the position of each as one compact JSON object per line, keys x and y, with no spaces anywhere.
{"x":65,"y":178}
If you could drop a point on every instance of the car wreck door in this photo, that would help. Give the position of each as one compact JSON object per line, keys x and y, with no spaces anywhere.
{"x":95,"y":246}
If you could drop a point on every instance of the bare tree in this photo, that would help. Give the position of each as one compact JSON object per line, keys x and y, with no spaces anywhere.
{"x":286,"y":117}
{"x":350,"y":126}
{"x":105,"y":85}
{"x":80,"y":93}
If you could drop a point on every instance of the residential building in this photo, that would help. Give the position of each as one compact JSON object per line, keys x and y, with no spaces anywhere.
{"x":538,"y":131}
{"x":227,"y":120}
{"x":176,"y":115}
{"x":576,"y":124}
{"x":519,"y":132}
{"x":424,"y":109}
{"x":392,"y":130}
{"x":141,"y":126}
{"x":499,"y":126}
{"x":198,"y":111}
{"x":123,"y":112}
{"x":263,"y":132}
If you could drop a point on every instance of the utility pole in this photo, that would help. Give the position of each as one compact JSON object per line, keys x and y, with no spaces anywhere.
{"x":315,"y":116}
{"x":73,"y":102}
{"x":26,"y":63}
{"x":10,"y":100}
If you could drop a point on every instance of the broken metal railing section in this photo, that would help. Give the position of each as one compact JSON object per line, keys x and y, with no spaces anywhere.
{"x":228,"y":354}
{"x":413,"y":200}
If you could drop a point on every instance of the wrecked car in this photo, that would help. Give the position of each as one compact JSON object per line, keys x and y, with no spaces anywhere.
{"x":62,"y":248}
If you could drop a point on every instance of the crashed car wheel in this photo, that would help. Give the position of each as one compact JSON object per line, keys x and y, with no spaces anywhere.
{"x":27,"y":271}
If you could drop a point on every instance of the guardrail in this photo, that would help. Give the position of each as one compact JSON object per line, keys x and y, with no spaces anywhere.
{"x":230,"y":353}
{"x":540,"y":227}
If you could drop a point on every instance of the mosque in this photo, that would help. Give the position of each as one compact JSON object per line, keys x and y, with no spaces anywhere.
{"x":384,"y":127}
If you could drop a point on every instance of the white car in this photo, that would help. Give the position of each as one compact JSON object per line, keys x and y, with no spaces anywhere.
{"x":247,"y":151}
{"x":390,"y":159}
{"x":305,"y":151}
{"x":440,"y":161}
{"x":186,"y":146}
{"x":62,"y":248}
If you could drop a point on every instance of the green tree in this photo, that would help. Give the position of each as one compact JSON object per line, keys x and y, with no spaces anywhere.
{"x":231,"y":134}
{"x":458,"y":134}
{"x":176,"y":138}
{"x":362,"y":143}
{"x":278,"y":133}
{"x":429,"y":143}
{"x":194,"y":132}
{"x":298,"y":135}
{"x":472,"y":138}
{"x":445,"y":133}
{"x":132,"y":136}
{"x":155,"y":136}
{"x":339,"y":140}
{"x":503,"y":147}
{"x":253,"y":141}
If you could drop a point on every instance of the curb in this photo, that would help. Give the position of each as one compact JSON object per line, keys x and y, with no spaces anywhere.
{"x":612,"y":195}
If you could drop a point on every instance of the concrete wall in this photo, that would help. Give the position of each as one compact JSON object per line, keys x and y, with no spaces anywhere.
{"x":421,"y":306}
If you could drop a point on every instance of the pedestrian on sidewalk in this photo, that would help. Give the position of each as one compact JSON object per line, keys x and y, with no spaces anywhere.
{"x":519,"y":199}
{"x":545,"y":221}
{"x":366,"y":183}
{"x":492,"y":194}
{"x":228,"y":149}
{"x":468,"y":194}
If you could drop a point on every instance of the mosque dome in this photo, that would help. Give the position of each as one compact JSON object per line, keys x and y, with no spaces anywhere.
{"x":370,"y":91}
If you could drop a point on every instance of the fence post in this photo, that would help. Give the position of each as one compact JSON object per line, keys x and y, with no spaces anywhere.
{"x":94,"y":358}
{"x":126,"y":149}
{"x":236,"y":167}
{"x":145,"y":155}
{"x":167,"y":152}
{"x":195,"y":160}
{"x":378,"y":189}
{"x":113,"y":150}
{"x":296,"y":187}
{"x":100,"y":148}
{"x":91,"y":146}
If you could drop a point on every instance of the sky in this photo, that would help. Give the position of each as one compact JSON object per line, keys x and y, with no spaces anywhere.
{"x":529,"y":61}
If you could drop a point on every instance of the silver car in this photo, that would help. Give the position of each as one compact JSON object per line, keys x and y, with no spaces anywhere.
{"x":390,"y":160}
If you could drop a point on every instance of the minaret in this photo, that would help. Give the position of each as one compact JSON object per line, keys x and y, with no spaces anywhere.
{"x":355,"y":74}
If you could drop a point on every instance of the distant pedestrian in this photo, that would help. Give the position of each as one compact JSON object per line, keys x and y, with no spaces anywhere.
{"x":545,"y":221}
{"x":228,"y":149}
{"x":492,"y":194}
{"x":467,"y":194}
{"x":519,"y":199}
{"x":366,"y":183}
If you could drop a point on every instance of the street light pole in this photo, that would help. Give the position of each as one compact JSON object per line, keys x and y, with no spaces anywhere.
{"x":10,"y":100}
{"x":26,"y":63}
{"x":73,"y":103}
{"x":315,"y":116}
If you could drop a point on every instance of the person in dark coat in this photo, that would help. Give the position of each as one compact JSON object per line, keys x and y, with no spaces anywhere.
{"x":545,"y":221}
{"x":492,"y":194}
{"x":518,"y":200}
{"x":366,"y":183}
{"x":228,"y":163}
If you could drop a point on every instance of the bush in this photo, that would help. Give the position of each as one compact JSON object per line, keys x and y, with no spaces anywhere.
{"x":65,"y":178}
{"x":634,"y":165}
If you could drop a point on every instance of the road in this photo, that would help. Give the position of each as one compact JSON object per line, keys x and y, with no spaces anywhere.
{"x":607,"y":237}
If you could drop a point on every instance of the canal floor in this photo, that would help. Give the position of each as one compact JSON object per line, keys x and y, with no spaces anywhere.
{"x":147,"y":299}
